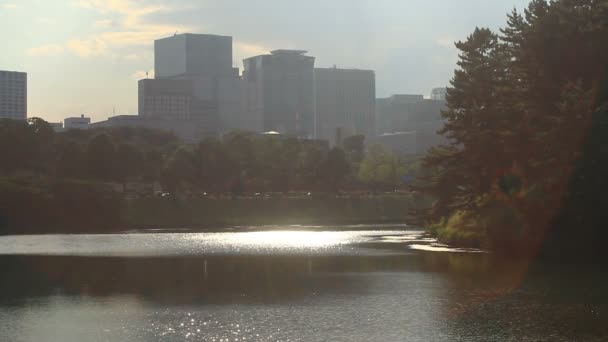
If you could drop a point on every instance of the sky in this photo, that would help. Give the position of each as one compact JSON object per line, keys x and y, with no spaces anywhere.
{"x":85,"y":56}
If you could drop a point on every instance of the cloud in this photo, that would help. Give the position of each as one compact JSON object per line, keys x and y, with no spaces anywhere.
{"x":45,"y":50}
{"x":141,"y":74}
{"x":133,"y":57}
{"x":127,"y":31}
{"x":46,"y":20}
{"x":8,"y":6}
{"x":103,"y":23}
{"x":445,"y":42}
{"x":87,"y":47}
{"x":244,"y":50}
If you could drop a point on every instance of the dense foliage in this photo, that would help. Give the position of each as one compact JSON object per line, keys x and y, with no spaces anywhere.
{"x":71,"y":178}
{"x":524,"y":120}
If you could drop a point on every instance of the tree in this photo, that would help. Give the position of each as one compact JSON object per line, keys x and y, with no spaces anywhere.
{"x":215,"y":169}
{"x":17,"y":146}
{"x":311,"y":158}
{"x":381,"y":169}
{"x":354,"y":147}
{"x":102,"y":163}
{"x":516,"y":118}
{"x":130,"y":161}
{"x":335,"y":169}
{"x":179,"y":175}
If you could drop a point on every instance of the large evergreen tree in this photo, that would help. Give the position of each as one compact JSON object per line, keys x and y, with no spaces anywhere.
{"x":519,"y":112}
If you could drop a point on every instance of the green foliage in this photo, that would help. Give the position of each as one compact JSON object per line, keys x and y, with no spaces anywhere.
{"x":381,"y":169}
{"x":517,"y":120}
{"x":354,"y":147}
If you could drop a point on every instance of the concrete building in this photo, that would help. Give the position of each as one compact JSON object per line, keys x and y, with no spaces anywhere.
{"x":391,"y":112}
{"x":398,"y":112}
{"x":189,"y":55}
{"x":280,"y":91}
{"x":13,"y":95}
{"x":56,"y":126}
{"x":205,"y":61}
{"x":411,"y":114}
{"x":80,"y":122}
{"x":345,"y":101}
{"x":189,"y":131}
{"x":167,"y":99}
{"x":439,"y":94}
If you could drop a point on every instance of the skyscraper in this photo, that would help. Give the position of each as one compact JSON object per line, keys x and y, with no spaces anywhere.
{"x":194,"y":81}
{"x":344,"y":103}
{"x":13,"y":95}
{"x":280,"y":91}
{"x":193,"y":55}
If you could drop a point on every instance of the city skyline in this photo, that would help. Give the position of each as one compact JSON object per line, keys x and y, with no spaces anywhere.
{"x":85,"y":57}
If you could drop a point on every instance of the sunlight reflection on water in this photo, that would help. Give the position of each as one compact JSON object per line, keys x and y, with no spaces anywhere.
{"x":226,"y":243}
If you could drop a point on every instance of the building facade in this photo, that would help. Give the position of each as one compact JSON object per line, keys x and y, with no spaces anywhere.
{"x":411,"y":119}
{"x":189,"y":55}
{"x":13,"y":95}
{"x":77,"y":122}
{"x":167,"y":99}
{"x":188,"y":131}
{"x":280,"y":92}
{"x":345,"y":101}
{"x":206,"y":61}
{"x":439,"y":94}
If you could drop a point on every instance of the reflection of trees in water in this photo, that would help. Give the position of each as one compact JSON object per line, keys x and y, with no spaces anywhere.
{"x":191,"y":280}
{"x":515,"y":299}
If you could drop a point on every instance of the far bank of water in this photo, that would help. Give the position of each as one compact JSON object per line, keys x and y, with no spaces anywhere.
{"x":202,"y":212}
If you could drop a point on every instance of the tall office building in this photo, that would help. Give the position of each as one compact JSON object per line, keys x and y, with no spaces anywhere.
{"x":193,"y":55}
{"x":195,"y":82}
{"x":13,"y":95}
{"x":344,"y":103}
{"x":280,"y":91}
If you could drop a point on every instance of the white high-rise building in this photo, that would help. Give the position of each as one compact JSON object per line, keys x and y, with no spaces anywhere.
{"x":13,"y":95}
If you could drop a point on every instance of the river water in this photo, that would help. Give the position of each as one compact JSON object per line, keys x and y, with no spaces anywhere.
{"x":363,"y":284}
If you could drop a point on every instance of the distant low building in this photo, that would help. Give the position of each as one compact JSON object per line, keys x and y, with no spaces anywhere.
{"x":80,"y":122}
{"x":56,"y":126}
{"x":439,"y":94}
{"x":189,"y":131}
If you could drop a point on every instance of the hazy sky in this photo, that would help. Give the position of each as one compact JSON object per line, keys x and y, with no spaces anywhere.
{"x":85,"y":56}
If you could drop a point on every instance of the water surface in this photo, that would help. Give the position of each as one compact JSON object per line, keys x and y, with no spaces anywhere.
{"x":364,"y":285}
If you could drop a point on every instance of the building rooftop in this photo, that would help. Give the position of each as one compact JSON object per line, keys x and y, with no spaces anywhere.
{"x":396,"y":133}
{"x":288,"y":52}
{"x":195,"y":34}
{"x":11,"y":71}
